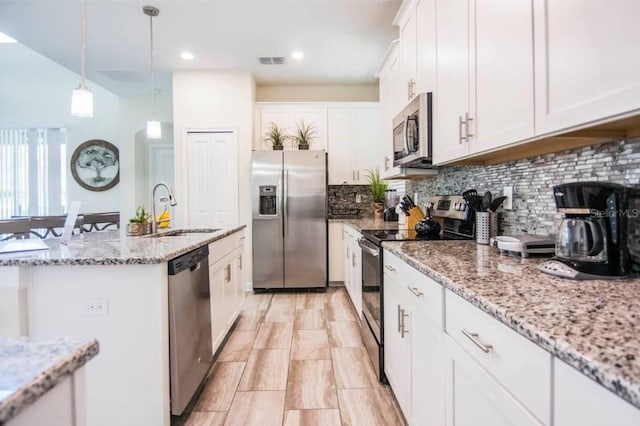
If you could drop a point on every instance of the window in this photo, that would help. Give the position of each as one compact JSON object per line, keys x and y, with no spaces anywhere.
{"x":32,"y":172}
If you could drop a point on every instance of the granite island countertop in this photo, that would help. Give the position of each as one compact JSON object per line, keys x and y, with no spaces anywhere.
{"x":113,"y":248}
{"x":30,"y":367}
{"x":592,"y":325}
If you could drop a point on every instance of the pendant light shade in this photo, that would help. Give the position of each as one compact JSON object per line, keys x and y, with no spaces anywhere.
{"x":154,"y":129}
{"x":82,"y":98}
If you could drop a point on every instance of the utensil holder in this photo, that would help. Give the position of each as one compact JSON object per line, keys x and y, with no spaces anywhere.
{"x":415,"y":216}
{"x":486,"y":226}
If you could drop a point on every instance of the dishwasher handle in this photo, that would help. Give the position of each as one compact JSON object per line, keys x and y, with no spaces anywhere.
{"x":188,"y":261}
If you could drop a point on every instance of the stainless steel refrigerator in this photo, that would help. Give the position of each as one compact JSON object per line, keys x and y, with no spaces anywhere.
{"x":289,"y":198}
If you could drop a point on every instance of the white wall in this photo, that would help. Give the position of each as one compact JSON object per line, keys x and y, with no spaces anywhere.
{"x":318,"y":93}
{"x":35,"y":91}
{"x":134,"y":113}
{"x":215,"y":100}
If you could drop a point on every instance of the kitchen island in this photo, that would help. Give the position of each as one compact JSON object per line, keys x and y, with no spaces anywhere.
{"x":591,"y":326}
{"x":115,"y":289}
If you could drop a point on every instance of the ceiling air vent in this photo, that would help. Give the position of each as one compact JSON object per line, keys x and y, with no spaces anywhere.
{"x":271,"y":60}
{"x":123,"y":75}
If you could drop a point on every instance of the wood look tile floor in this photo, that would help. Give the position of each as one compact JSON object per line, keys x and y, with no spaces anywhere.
{"x":295,"y":359}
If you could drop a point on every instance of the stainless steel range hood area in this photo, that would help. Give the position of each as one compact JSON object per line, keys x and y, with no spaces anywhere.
{"x":409,"y":173}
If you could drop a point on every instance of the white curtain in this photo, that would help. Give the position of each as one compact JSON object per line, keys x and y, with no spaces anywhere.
{"x":32,"y":172}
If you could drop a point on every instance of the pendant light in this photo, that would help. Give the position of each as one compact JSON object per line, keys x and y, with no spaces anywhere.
{"x":154,"y":129}
{"x":82,"y":98}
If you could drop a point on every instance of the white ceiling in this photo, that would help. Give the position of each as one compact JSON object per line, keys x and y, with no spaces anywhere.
{"x":343,"y":40}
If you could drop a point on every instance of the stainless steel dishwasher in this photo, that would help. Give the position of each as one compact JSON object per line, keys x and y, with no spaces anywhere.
{"x":190,"y":351}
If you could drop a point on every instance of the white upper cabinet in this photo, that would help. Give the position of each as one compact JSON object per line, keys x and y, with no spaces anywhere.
{"x":287,"y":117}
{"x":452,"y":87}
{"x":388,"y":77}
{"x":353,"y":143}
{"x":587,"y":61}
{"x":502,"y":73}
{"x":416,"y":24}
{"x":484,"y":92}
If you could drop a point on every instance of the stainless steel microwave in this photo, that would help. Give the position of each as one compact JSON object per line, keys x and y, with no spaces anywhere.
{"x":413,"y":133}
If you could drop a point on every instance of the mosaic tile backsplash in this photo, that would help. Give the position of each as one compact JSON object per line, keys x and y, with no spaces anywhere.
{"x":534,"y":209}
{"x":342,"y":202}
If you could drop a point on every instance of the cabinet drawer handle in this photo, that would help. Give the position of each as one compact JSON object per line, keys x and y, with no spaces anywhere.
{"x":403,"y":330}
{"x":390,"y":268}
{"x":460,"y":124}
{"x":227,"y":273}
{"x":358,"y":175}
{"x":475,"y":339}
{"x":386,"y":163}
{"x":467,"y":119}
{"x":399,"y":319}
{"x":240,"y":261}
{"x":415,"y":291}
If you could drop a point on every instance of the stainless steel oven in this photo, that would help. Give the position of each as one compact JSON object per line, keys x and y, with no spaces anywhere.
{"x":371,"y":325}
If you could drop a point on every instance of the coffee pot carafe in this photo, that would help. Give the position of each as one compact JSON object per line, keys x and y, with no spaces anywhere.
{"x":390,"y":202}
{"x":592,"y":238}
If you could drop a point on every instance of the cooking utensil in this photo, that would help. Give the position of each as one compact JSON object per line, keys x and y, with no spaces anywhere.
{"x":496,"y":203}
{"x":411,"y":203}
{"x":475,"y":202}
{"x":486,"y":201}
{"x":469,"y":193}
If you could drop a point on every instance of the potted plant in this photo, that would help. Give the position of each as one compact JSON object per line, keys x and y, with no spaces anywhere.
{"x":276,"y":136}
{"x":377,"y":187}
{"x":304,"y":134}
{"x":139,"y":224}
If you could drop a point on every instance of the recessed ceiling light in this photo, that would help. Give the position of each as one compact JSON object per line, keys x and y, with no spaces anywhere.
{"x":187,"y":56}
{"x":6,"y":39}
{"x":297,"y":54}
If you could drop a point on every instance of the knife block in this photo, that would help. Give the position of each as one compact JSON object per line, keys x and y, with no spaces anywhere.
{"x":415,"y":216}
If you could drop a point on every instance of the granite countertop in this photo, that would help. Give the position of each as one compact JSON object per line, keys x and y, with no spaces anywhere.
{"x":592,"y":325}
{"x":30,"y":367}
{"x":113,"y":248}
{"x":368,"y":223}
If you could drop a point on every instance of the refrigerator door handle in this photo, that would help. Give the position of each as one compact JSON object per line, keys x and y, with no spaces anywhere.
{"x":286,"y":202}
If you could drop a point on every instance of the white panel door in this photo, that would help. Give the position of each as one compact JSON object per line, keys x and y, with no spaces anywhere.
{"x":408,"y":53}
{"x":317,"y":117}
{"x":284,"y":118}
{"x":502,"y":84}
{"x":475,"y":398}
{"x":578,"y":400}
{"x":386,"y":113}
{"x":452,"y":86}
{"x":426,"y":46}
{"x":341,"y":128}
{"x":587,"y":61}
{"x":427,"y":370}
{"x":212,"y":179}
{"x":367,"y":142}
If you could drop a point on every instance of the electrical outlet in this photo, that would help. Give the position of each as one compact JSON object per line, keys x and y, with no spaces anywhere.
{"x":96,"y":307}
{"x":508,"y":203}
{"x":358,"y":198}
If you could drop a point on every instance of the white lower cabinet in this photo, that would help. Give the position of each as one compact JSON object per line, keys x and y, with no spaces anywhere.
{"x":226,"y":285}
{"x":413,"y":349}
{"x":475,"y":397}
{"x":520,"y":367}
{"x":353,"y":267}
{"x":578,"y":400}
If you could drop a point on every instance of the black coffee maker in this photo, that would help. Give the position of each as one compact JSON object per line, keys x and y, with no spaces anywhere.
{"x":592,"y":238}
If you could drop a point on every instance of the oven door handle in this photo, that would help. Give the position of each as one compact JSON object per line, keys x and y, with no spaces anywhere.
{"x":367,"y":249}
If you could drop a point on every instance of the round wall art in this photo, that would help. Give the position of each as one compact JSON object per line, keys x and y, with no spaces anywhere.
{"x":95,"y":165}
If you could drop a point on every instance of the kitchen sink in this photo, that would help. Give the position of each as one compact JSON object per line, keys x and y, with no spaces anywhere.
{"x":183,"y":232}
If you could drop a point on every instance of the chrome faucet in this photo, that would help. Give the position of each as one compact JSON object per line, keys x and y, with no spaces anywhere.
{"x":172,"y":202}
